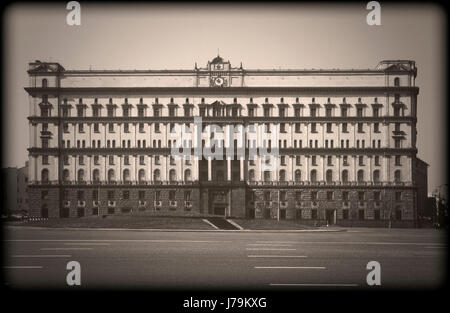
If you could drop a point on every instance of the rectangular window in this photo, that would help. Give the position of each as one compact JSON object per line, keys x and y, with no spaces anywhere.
{"x":81,"y":128}
{"x":126,"y":127}
{"x":376,"y":127}
{"x":345,"y":214}
{"x":377,"y":195}
{"x":171,"y":195}
{"x":96,"y":128}
{"x":110,"y":194}
{"x":80,"y":195}
{"x":329,"y":195}
{"x":110,"y":112}
{"x":360,"y":128}
{"x":329,"y":128}
{"x":157,"y":130}
{"x":45,"y":159}
{"x":314,"y":195}
{"x":141,"y":194}
{"x":126,"y":194}
{"x":111,"y":127}
{"x":345,"y":195}
{"x":313,"y":128}
{"x":158,"y":195}
{"x":344,"y":128}
{"x":398,"y":160}
{"x":314,"y":214}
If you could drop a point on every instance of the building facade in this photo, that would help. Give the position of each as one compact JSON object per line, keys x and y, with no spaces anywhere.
{"x":100,"y":143}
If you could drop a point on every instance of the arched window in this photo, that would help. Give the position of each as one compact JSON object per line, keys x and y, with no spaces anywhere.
{"x":44,"y":83}
{"x":187,"y":175}
{"x":397,"y":176}
{"x":44,"y":175}
{"x":66,"y":175}
{"x":267,"y":176}
{"x":126,"y":175}
{"x":282,"y":176}
{"x":80,"y":176}
{"x":396,"y":81}
{"x":329,"y":176}
{"x":345,"y":176}
{"x":360,"y":176}
{"x":251,"y":175}
{"x":111,"y":175}
{"x":157,"y":175}
{"x":141,"y":175}
{"x":313,"y":177}
{"x":298,"y":175}
{"x":96,"y":175}
{"x":172,"y":175}
{"x":376,"y":176}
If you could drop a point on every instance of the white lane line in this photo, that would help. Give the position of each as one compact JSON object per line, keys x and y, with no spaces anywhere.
{"x":316,"y":285}
{"x":357,"y":243}
{"x":41,"y":256}
{"x":292,"y":267}
{"x":22,"y":267}
{"x":435,"y":247}
{"x":270,"y":249}
{"x":87,"y":244}
{"x":277,"y":256}
{"x":68,"y":248}
{"x":270,"y":244}
{"x":81,"y":241}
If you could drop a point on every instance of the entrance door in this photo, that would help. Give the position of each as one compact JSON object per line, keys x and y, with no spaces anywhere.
{"x":282,"y":214}
{"x":251,"y":213}
{"x":219,"y":210}
{"x":331,"y":217}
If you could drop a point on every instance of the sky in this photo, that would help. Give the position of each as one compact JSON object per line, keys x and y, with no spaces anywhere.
{"x":291,"y":36}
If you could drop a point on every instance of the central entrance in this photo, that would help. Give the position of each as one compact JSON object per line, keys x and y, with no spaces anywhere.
{"x":331,"y":216}
{"x":219,"y":201}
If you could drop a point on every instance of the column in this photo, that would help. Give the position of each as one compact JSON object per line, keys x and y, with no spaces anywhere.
{"x":242,"y":173}
{"x":209,"y":169}
{"x":228,"y":169}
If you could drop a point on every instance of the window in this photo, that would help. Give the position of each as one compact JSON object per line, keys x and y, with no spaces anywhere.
{"x":329,"y":176}
{"x":314,"y":160}
{"x":361,"y":196}
{"x":45,"y":159}
{"x":313,"y":128}
{"x":329,"y":160}
{"x":80,"y":194}
{"x":141,"y":194}
{"x":80,"y":176}
{"x":282,"y":128}
{"x":398,"y":196}
{"x":81,"y":160}
{"x":360,"y":176}
{"x":377,"y":195}
{"x":96,"y":175}
{"x":376,"y":176}
{"x":157,"y":175}
{"x":360,"y":128}
{"x":396,"y":81}
{"x":329,"y":195}
{"x":344,"y":112}
{"x":397,"y":176}
{"x":171,"y":195}
{"x":345,"y":195}
{"x":345,"y":160}
{"x":329,"y":128}
{"x":267,"y":176}
{"x":111,"y":127}
{"x":126,"y":127}
{"x":313,"y":112}
{"x":359,"y":112}
{"x":376,"y":112}
{"x":298,"y":175}
{"x":110,"y":194}
{"x":361,"y":160}
{"x":398,"y":160}
{"x":157,"y":129}
{"x":141,"y":160}
{"x":344,"y":128}
{"x":314,"y":214}
{"x":126,"y":175}
{"x":187,"y":175}
{"x":377,"y":160}
{"x":345,"y":214}
{"x":282,"y":176}
{"x":267,"y":196}
{"x":96,"y":128}
{"x":126,"y":194}
{"x":345,"y":176}
{"x":297,"y":128}
{"x":313,"y":195}
{"x":313,"y":176}
{"x":111,"y":160}
{"x":44,"y":175}
{"x":376,"y":127}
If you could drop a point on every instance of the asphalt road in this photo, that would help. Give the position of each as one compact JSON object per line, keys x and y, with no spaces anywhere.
{"x":37,"y":258}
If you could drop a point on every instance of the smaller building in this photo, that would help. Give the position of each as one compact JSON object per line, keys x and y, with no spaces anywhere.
{"x":14,"y":189}
{"x":22,"y":188}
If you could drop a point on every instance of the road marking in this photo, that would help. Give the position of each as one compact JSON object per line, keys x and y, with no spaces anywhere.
{"x":22,"y":267}
{"x":357,"y":243}
{"x":68,"y":248}
{"x":277,"y":256}
{"x":292,"y":267}
{"x":42,"y":256}
{"x":82,"y":241}
{"x":435,"y":247}
{"x":87,"y":244}
{"x":270,"y":244}
{"x":270,"y":249}
{"x":316,"y":285}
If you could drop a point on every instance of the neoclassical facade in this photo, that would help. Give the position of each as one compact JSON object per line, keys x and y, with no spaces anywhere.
{"x":101,"y":142}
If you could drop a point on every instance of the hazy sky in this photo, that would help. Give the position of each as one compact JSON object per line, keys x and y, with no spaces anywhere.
{"x":261,"y":36}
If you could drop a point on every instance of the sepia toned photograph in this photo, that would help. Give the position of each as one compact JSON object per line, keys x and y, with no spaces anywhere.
{"x":248,"y":147}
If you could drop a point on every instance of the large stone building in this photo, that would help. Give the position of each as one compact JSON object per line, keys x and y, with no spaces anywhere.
{"x":100,"y":142}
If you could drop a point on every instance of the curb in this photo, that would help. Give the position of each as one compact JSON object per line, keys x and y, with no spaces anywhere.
{"x":185,"y":230}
